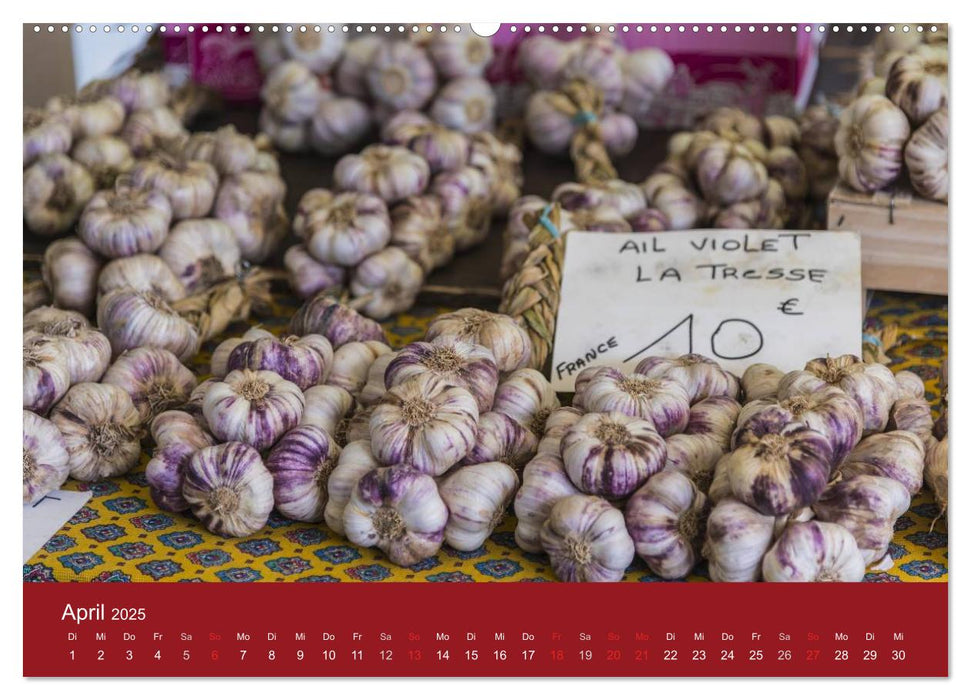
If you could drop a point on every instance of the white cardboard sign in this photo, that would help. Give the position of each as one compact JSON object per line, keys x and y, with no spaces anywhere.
{"x":739,"y":297}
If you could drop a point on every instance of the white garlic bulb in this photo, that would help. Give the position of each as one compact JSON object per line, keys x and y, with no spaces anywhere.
{"x":133,"y":319}
{"x":926,"y":155}
{"x":442,"y":148}
{"x":559,"y":421}
{"x":918,"y":82}
{"x":401,"y":76}
{"x":292,"y":137}
{"x":201,"y":252}
{"x":550,"y":127}
{"x":501,"y":162}
{"x":507,"y":340}
{"x":350,"y":75}
{"x":105,"y":157}
{"x":44,"y":134}
{"x":542,"y":59}
{"x":351,"y":364}
{"x":251,"y":204}
{"x":125,"y":222}
{"x":527,"y":397}
{"x":898,"y":455}
{"x":154,"y":379}
{"x":459,"y":54}
{"x":374,"y":387}
{"x":599,"y":63}
{"x":477,"y":497}
{"x":350,"y":227}
{"x":619,"y":133}
{"x":646,"y":73}
{"x":144,"y":272}
{"x":325,"y":406}
{"x":301,"y":464}
{"x":291,"y":91}
{"x":45,"y":457}
{"x":587,"y":540}
{"x":386,"y":283}
{"x":307,"y":276}
{"x":256,"y":408}
{"x":101,"y":429}
{"x":414,"y":223}
{"x":671,"y":196}
{"x":148,"y":130}
{"x":190,"y":185}
{"x":392,"y":173}
{"x":425,"y":423}
{"x":736,"y":539}
{"x":70,"y":271}
{"x":729,"y":172}
{"x":545,"y":482}
{"x":466,"y":206}
{"x":229,"y":489}
{"x":311,"y":202}
{"x":338,"y":125}
{"x":814,"y":551}
{"x":318,"y":50}
{"x":94,"y":116}
{"x":137,"y":90}
{"x":611,"y":454}
{"x":304,"y":360}
{"x":761,"y":381}
{"x":45,"y":372}
{"x":661,"y":402}
{"x":665,"y":518}
{"x":81,"y":349}
{"x":700,"y":376}
{"x":219,"y":360}
{"x":55,"y":191}
{"x":457,"y":363}
{"x":695,"y":456}
{"x":355,"y":461}
{"x":870,"y":143}
{"x":624,"y":198}
{"x":178,"y":436}
{"x":465,"y":104}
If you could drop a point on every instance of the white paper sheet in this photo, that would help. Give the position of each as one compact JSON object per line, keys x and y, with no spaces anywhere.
{"x":48,"y":515}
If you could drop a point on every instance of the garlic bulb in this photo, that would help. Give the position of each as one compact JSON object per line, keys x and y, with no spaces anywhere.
{"x":149,"y":130}
{"x":374,"y":387}
{"x":780,"y":131}
{"x":227,"y":150}
{"x":549,"y":127}
{"x":425,"y":423}
{"x":729,"y":172}
{"x":253,"y":407}
{"x":306,"y":361}
{"x":326,"y":316}
{"x":545,"y":483}
{"x":288,"y":136}
{"x":694,"y":456}
{"x":646,"y":73}
{"x":401,"y":76}
{"x":599,"y":63}
{"x":736,"y":539}
{"x":501,"y":163}
{"x":338,"y":125}
{"x":44,"y":134}
{"x":350,"y":75}
{"x":768,"y":210}
{"x":392,"y":173}
{"x":144,"y":272}
{"x":477,"y":497}
{"x":528,"y":398}
{"x":55,"y":191}
{"x":828,"y":410}
{"x":45,"y":457}
{"x":229,"y":489}
{"x":778,"y":473}
{"x":619,"y":133}
{"x":177,"y":438}
{"x":909,"y":384}
{"x":508,"y":342}
{"x":936,"y":471}
{"x":867,"y":506}
{"x":137,"y":90}
{"x":670,"y":195}
{"x":732,"y":123}
{"x":46,"y":318}
{"x":465,"y":104}
{"x":70,"y":271}
{"x":761,"y":381}
{"x":897,"y":455}
{"x":101,"y":429}
{"x":190,"y":185}
{"x":125,"y":222}
{"x":457,"y":363}
{"x":73,"y":343}
{"x":913,"y":415}
{"x":917,"y":82}
{"x":325,"y":407}
{"x":154,"y":379}
{"x":870,"y":384}
{"x":219,"y":360}
{"x":700,"y":376}
{"x":291,"y":91}
{"x":870,"y":143}
{"x":814,"y":551}
{"x":460,"y":54}
{"x":499,"y":438}
{"x":386,"y":283}
{"x":348,"y":229}
{"x":311,"y":202}
{"x":399,"y":511}
{"x":926,"y":155}
{"x":133,"y":319}
{"x":355,"y":461}
{"x":301,"y":464}
{"x":611,"y":454}
{"x":661,"y":402}
{"x":352,"y":362}
{"x":46,"y":374}
{"x":542,"y":59}
{"x":307,"y":276}
{"x":442,"y":148}
{"x":105,"y":157}
{"x":786,"y":167}
{"x":665,"y":518}
{"x":587,"y":540}
{"x":201,"y":252}
{"x":93,"y":117}
{"x":251,"y":203}
{"x":466,"y":208}
{"x":414,"y":222}
{"x":318,"y":50}
{"x":559,"y":421}
{"x":623,"y":197}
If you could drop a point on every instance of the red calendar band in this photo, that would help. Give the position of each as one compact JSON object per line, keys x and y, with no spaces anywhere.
{"x":460,"y":629}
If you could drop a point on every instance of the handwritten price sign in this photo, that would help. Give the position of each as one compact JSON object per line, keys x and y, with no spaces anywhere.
{"x":740,"y":297}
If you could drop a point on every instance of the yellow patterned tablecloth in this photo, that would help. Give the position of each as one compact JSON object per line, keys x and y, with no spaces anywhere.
{"x":121,"y":536}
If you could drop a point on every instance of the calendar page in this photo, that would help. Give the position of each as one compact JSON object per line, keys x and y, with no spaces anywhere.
{"x":577,"y":310}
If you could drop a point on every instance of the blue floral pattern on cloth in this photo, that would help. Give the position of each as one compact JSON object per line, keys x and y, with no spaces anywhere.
{"x":132,"y":550}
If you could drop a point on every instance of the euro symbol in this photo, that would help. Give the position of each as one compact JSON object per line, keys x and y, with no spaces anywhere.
{"x":788,"y":307}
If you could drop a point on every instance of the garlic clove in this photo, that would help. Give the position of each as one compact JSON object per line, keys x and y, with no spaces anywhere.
{"x":814,"y":551}
{"x":587,"y":540}
{"x":355,"y":461}
{"x":253,"y":407}
{"x":477,"y":497}
{"x":154,"y":379}
{"x":229,"y":489}
{"x":45,"y":457}
{"x":501,"y":439}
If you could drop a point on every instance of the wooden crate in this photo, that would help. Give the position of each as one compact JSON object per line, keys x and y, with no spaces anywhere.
{"x":904,"y":238}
